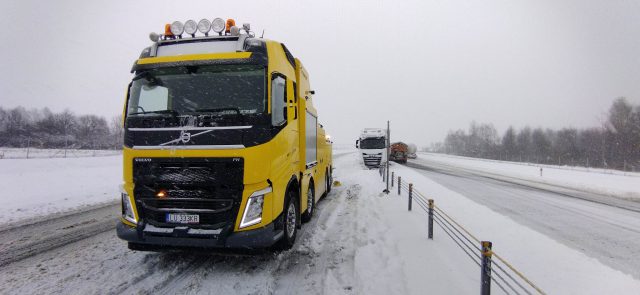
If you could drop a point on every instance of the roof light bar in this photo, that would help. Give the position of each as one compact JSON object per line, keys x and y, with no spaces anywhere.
{"x":218,"y":25}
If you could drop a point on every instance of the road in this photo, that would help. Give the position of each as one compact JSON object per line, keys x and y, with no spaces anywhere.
{"x":601,"y":227}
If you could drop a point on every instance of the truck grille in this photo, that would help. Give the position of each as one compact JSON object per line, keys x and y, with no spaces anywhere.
{"x":372,"y":161}
{"x":209,"y":187}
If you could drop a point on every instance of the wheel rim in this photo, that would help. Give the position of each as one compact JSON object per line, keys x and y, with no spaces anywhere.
{"x":291,"y":220}
{"x":310,"y":200}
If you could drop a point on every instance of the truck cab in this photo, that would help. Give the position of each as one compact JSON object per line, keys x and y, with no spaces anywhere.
{"x":372,"y":145}
{"x":222,"y":145}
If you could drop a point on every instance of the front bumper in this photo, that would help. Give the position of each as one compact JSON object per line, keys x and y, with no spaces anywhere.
{"x":183,"y":236}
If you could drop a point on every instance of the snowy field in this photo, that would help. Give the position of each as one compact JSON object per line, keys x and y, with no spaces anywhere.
{"x":38,"y":187}
{"x":614,"y":183}
{"x":23,"y":153}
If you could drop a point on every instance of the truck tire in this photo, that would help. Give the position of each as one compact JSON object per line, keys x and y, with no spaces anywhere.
{"x":311,"y":204}
{"x":290,"y":222}
{"x":329,"y":181}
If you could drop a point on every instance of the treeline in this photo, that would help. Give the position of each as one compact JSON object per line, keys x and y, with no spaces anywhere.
{"x":43,"y":128}
{"x":615,"y":144}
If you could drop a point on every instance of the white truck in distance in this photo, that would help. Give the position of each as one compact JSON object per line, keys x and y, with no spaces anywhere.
{"x":411,"y":151}
{"x":372,"y":145}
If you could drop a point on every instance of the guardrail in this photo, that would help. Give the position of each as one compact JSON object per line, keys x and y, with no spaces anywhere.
{"x":493,"y":267}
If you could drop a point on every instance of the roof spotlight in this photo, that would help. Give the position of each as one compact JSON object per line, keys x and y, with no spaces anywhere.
{"x":190,"y":27}
{"x":218,"y":25}
{"x":204,"y":26}
{"x":154,"y":36}
{"x":177,"y":28}
{"x":234,"y":31}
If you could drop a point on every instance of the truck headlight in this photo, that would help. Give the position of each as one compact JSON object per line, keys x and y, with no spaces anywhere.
{"x":253,"y":210}
{"x":127,"y":208}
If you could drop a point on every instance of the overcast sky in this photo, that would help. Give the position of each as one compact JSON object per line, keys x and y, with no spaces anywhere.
{"x":428,"y":66}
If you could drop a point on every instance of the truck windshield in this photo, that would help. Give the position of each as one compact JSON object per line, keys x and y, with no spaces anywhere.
{"x":372,"y":143}
{"x":221,"y":89}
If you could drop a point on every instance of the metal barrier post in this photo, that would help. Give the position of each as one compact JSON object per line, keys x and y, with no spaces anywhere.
{"x":399,"y":184}
{"x":392,"y":176}
{"x":485,"y":275}
{"x":410,"y":194}
{"x":430,"y":218}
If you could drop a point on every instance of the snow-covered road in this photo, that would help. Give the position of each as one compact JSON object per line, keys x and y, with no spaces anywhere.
{"x":600,"y":227}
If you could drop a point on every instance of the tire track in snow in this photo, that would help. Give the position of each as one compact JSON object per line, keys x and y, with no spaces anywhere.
{"x":22,"y":241}
{"x":324,"y":245}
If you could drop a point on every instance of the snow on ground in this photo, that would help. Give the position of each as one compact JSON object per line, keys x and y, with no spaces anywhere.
{"x":360,"y":241}
{"x":37,"y":187}
{"x":23,"y":153}
{"x":608,"y":182}
{"x":393,"y":253}
{"x":556,"y":268}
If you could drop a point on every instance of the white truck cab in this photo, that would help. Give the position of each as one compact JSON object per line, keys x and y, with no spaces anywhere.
{"x":373,"y":146}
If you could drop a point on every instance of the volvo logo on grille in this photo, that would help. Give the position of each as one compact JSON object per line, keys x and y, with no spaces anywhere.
{"x":142,"y":160}
{"x":185,"y":136}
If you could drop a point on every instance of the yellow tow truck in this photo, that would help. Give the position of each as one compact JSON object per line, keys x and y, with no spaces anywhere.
{"x":222,"y":145}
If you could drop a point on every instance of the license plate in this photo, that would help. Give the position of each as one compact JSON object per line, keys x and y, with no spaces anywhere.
{"x":182,"y":218}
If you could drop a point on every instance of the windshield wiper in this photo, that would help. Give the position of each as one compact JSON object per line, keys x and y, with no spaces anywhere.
{"x":171,"y":112}
{"x":219,"y":110}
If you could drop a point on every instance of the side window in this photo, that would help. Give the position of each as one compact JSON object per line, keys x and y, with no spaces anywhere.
{"x":278,"y":100}
{"x":152,"y":98}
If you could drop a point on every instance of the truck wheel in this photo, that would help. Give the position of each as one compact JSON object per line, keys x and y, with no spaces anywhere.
{"x":329,"y":181}
{"x":291,"y":220}
{"x":311,"y":204}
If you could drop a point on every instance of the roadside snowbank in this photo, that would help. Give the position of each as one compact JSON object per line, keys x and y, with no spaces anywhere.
{"x":556,"y":268}
{"x":393,"y":254}
{"x":37,"y":187}
{"x":619,"y":184}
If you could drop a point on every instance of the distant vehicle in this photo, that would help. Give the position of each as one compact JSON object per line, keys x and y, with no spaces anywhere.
{"x":372,"y":145}
{"x":411,"y":151}
{"x":398,"y":152}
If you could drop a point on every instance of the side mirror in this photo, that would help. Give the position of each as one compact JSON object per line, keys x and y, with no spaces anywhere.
{"x":357,"y":141}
